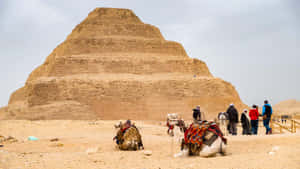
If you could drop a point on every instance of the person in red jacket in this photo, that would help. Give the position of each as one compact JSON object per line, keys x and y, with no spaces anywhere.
{"x":253,"y":113}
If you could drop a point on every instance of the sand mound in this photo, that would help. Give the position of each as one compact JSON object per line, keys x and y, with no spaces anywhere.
{"x":288,"y":107}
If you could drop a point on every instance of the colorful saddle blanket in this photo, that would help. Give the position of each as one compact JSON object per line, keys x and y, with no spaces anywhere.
{"x":196,"y":133}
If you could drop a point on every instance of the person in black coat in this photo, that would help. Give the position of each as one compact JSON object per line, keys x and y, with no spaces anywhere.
{"x":233,"y":119}
{"x":245,"y":123}
{"x":197,"y":114}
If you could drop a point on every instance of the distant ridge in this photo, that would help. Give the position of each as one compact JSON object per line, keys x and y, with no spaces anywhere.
{"x":288,"y":107}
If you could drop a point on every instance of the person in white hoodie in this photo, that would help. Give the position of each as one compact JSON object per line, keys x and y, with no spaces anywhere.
{"x":245,"y":123}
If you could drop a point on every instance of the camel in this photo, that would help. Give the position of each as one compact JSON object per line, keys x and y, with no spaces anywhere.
{"x":204,"y":138}
{"x":128,"y":137}
{"x":174,"y":120}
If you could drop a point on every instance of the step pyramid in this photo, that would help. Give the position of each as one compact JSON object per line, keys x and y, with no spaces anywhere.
{"x":114,"y":66}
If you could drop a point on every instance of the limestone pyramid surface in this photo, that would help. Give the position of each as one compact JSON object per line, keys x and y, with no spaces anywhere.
{"x":114,"y":66}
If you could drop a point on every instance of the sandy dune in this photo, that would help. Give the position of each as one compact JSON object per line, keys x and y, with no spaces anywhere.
{"x":291,"y":107}
{"x":88,"y":144}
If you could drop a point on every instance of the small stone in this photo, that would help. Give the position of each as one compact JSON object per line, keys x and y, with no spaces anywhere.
{"x":275,"y":148}
{"x":92,"y":150}
{"x":148,"y":153}
{"x":271,"y":153}
{"x":57,"y":145}
{"x":54,"y":139}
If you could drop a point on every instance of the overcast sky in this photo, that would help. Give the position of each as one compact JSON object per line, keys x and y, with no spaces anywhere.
{"x":254,"y":44}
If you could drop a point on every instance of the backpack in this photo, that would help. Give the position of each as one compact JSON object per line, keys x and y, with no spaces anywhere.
{"x":268,"y":111}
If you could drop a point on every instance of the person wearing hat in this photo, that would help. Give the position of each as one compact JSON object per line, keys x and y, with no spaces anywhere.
{"x":197,"y":113}
{"x":233,"y":116}
{"x":245,"y":123}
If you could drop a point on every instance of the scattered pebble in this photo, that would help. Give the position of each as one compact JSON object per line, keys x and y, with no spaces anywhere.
{"x":57,"y":145}
{"x":275,"y":148}
{"x":271,"y":153}
{"x":148,"y":153}
{"x":92,"y":150}
{"x":8,"y":140}
{"x":54,"y":139}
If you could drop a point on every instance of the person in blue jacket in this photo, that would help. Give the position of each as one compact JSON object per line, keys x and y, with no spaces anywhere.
{"x":267,"y":113}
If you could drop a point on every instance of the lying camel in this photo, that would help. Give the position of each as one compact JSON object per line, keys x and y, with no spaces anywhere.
{"x":204,"y":138}
{"x":128,"y":137}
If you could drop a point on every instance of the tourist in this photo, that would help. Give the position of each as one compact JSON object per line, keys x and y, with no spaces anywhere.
{"x":197,"y":114}
{"x":267,"y":113}
{"x":233,"y":119}
{"x":222,"y":116}
{"x":245,"y":123}
{"x":223,"y":122}
{"x":283,"y":118}
{"x":170,"y":127}
{"x":128,"y":124}
{"x":254,"y":114}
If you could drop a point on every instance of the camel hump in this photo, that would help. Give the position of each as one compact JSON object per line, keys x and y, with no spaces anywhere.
{"x":132,"y":134}
{"x":132,"y":139}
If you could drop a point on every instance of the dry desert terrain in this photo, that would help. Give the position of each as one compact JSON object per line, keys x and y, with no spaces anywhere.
{"x":89,"y":145}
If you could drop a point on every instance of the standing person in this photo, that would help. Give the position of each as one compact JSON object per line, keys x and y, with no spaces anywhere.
{"x":254,"y":114}
{"x":245,"y":123}
{"x":197,"y":114}
{"x":267,"y":113}
{"x":170,"y":128}
{"x":233,"y":119}
{"x":223,"y":122}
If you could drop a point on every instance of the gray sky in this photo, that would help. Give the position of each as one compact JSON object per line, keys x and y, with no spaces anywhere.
{"x":254,"y":44}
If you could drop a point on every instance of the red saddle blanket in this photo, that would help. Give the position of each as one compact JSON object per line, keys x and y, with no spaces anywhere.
{"x":195,"y":134}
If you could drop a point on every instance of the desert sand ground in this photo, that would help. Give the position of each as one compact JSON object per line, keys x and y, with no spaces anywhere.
{"x":89,"y":145}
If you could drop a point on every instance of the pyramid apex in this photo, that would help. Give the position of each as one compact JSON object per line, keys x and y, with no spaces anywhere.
{"x":113,"y":15}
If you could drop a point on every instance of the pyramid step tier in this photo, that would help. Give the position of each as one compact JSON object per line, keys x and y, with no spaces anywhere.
{"x":86,"y":88}
{"x":118,"y":45}
{"x":132,"y":64}
{"x":126,"y":30}
{"x":113,"y":96}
